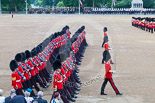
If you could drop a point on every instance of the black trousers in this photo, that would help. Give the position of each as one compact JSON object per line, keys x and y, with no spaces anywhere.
{"x":19,"y":92}
{"x":33,"y":81}
{"x":39,"y":80}
{"x":42,"y":77}
{"x":24,"y":85}
{"x":28,"y":83}
{"x":46,"y":74}
{"x":112,"y":84}
{"x":67,"y":93}
{"x":63,"y":96}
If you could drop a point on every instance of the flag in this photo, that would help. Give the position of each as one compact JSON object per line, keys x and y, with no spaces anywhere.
{"x":114,"y":3}
{"x":81,"y":3}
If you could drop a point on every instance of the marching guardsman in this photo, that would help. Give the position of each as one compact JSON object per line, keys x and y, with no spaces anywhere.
{"x":62,"y":57}
{"x":32,"y":71}
{"x":153,"y":24}
{"x":20,"y":70}
{"x":41,"y":58}
{"x":108,"y":77}
{"x":105,"y":35}
{"x":16,"y":78}
{"x":40,"y":66}
{"x":36,"y":64}
{"x":27,"y":74}
{"x":58,"y":80}
{"x":150,"y":26}
{"x":66,"y":30}
{"x":26,"y":71}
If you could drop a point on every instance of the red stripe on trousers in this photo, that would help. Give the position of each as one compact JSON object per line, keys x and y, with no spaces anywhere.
{"x":114,"y":86}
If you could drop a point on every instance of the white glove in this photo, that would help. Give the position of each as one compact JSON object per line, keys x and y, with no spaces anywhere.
{"x":24,"y":78}
{"x":110,"y":48}
{"x":114,"y":71}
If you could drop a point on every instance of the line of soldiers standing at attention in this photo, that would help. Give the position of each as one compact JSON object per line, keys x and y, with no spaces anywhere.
{"x":113,"y":11}
{"x":34,"y":69}
{"x":108,"y":61}
{"x":144,"y":23}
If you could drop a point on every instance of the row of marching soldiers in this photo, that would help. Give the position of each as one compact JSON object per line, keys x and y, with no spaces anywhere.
{"x":34,"y":69}
{"x":146,"y":24}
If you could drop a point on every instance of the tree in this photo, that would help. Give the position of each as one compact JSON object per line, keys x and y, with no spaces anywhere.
{"x":71,"y":3}
{"x":149,"y":3}
{"x":14,"y":5}
{"x":60,"y":4}
{"x":38,"y":2}
{"x":123,"y":4}
{"x":32,"y":1}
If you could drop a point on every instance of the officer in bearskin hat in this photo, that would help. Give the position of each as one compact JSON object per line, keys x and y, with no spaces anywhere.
{"x":58,"y":81}
{"x":19,"y":58}
{"x":31,"y":68}
{"x":16,"y":78}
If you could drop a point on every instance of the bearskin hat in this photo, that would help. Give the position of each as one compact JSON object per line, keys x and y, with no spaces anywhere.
{"x":13,"y":65}
{"x":82,"y":28}
{"x":28,"y":54}
{"x":18,"y":57}
{"x":56,"y":65}
{"x":38,"y":49}
{"x":34,"y":52}
{"x":63,"y":32}
{"x":105,"y":29}
{"x":51,"y":37}
{"x":24,"y":56}
{"x":67,"y":27}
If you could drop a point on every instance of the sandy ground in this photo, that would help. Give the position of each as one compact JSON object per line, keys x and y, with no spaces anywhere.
{"x":133,"y":53}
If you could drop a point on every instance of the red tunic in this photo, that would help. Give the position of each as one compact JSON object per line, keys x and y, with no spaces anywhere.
{"x":16,"y":80}
{"x":36,"y":68}
{"x":26,"y":74}
{"x":40,"y":66}
{"x":64,"y":74}
{"x":21,"y":71}
{"x":68,"y":72}
{"x":57,"y":81}
{"x":106,"y":46}
{"x":31,"y":65}
{"x":105,"y":34}
{"x":107,"y":69}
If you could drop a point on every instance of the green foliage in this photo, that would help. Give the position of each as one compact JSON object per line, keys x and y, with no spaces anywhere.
{"x":149,"y":3}
{"x":60,"y":4}
{"x":32,"y":1}
{"x":123,"y":4}
{"x":71,"y":3}
{"x":38,"y":2}
{"x":15,"y":5}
